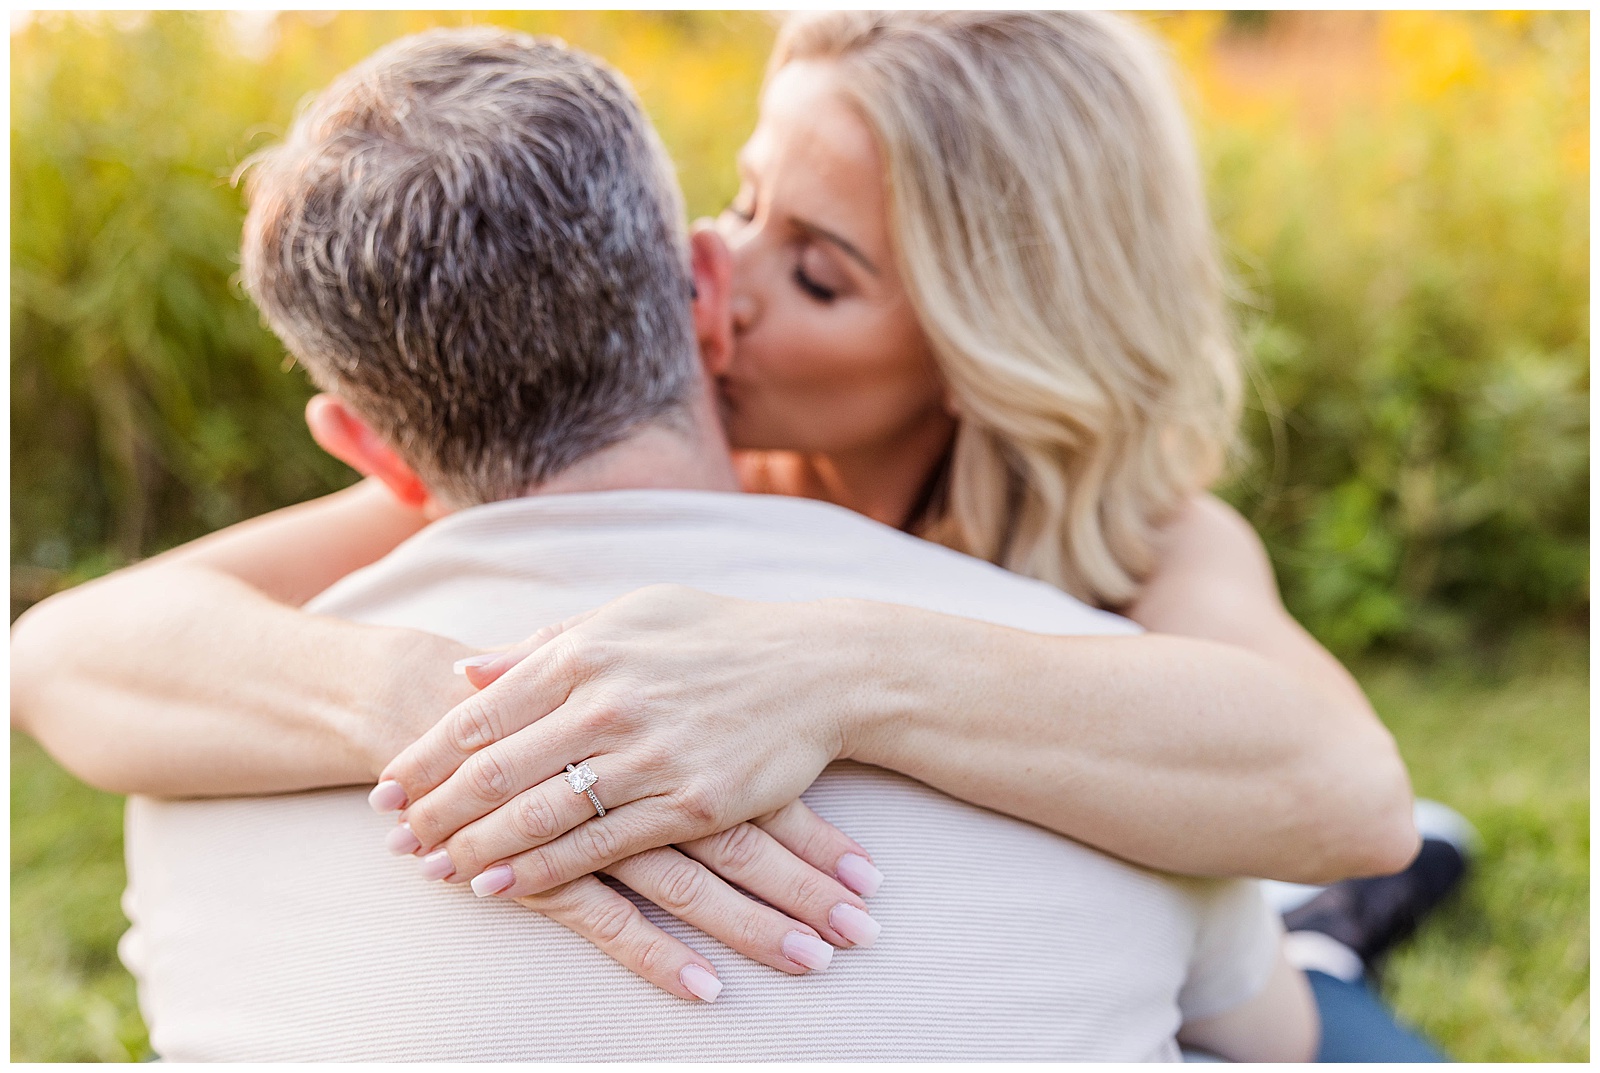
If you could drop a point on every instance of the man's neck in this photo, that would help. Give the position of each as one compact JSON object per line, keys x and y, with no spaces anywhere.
{"x":690,"y":455}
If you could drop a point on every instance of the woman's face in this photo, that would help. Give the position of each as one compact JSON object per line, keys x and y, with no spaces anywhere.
{"x":828,"y":356}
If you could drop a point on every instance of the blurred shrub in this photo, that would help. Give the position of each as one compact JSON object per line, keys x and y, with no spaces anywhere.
{"x":149,"y":404}
{"x":1406,"y":199}
{"x":1404,"y":195}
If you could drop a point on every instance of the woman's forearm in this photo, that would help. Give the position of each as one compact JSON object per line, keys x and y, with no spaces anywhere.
{"x":177,"y":679}
{"x":1185,"y":755}
{"x":293,"y":553}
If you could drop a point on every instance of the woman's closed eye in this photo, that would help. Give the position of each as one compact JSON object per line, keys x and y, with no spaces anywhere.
{"x":811,"y":287}
{"x":816,"y":274}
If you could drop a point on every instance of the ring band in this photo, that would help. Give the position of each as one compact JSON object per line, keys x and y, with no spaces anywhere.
{"x":582,"y":777}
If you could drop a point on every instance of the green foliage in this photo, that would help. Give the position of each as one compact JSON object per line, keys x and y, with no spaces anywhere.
{"x":1419,"y":266}
{"x":1415,"y":266}
{"x":149,"y":405}
{"x":71,"y":999}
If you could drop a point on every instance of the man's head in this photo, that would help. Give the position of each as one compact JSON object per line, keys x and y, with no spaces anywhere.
{"x":475,"y":241}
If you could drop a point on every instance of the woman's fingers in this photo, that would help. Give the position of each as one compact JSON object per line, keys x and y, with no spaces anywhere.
{"x":542,"y":685}
{"x":823,"y":846}
{"x":482,"y":671}
{"x":528,"y":820}
{"x":690,"y":892}
{"x":614,"y":924}
{"x":592,"y":846}
{"x":532,"y":759}
{"x":751,"y":858}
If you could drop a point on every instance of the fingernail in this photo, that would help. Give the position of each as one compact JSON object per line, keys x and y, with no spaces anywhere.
{"x":437,"y":865}
{"x":387,"y":796}
{"x":460,"y":666}
{"x":858,"y":873}
{"x":701,"y":984}
{"x":854,"y":925}
{"x":493,"y":881}
{"x":807,"y":950}
{"x":401,"y":841}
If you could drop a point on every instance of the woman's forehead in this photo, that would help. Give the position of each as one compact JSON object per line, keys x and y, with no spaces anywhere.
{"x":814,"y":150}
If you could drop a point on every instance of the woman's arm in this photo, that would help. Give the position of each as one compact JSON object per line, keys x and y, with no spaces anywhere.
{"x":1243,"y":750}
{"x":290,"y":555}
{"x":1229,"y":742}
{"x":193,"y":674}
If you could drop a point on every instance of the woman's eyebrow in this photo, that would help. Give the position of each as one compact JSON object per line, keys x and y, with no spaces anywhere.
{"x":828,"y":236}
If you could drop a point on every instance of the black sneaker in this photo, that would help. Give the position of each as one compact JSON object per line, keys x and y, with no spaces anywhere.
{"x":1371,"y":915}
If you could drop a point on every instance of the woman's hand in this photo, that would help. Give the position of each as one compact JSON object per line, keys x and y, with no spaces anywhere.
{"x":492,"y":808}
{"x":684,"y":737}
{"x":1243,"y":750}
{"x":687,"y":885}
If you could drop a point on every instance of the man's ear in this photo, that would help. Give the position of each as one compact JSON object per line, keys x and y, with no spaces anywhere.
{"x":342,"y":432}
{"x":712,"y":266}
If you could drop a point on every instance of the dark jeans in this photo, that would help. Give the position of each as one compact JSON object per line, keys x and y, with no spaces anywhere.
{"x":1357,"y":1026}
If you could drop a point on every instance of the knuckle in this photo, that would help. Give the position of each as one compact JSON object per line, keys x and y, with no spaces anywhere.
{"x":599,"y":841}
{"x":608,"y":920}
{"x":739,"y":847}
{"x":749,"y":929}
{"x":488,"y":777}
{"x":700,"y":805}
{"x":465,"y":853}
{"x":535,"y":818}
{"x":655,"y":955}
{"x":617,"y":708}
{"x":539,"y":871}
{"x":473,"y":727}
{"x":814,"y":892}
{"x":570,"y":660}
{"x":682,"y":887}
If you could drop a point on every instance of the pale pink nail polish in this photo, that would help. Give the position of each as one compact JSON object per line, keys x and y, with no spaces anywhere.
{"x":807,"y":950}
{"x":387,"y":796}
{"x":858,"y":873}
{"x":437,"y":865}
{"x":401,"y":841}
{"x":854,"y":925}
{"x":701,"y":984}
{"x":460,"y":666}
{"x":493,"y":881}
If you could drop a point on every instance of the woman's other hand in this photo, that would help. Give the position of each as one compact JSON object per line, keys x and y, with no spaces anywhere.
{"x":687,"y":884}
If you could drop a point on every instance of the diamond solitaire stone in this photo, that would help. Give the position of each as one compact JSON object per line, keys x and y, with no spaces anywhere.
{"x":580,"y":778}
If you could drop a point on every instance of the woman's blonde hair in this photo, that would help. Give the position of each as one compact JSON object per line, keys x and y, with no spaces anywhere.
{"x":1047,"y":212}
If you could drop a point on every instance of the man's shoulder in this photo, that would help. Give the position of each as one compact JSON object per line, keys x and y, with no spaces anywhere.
{"x":760,"y":547}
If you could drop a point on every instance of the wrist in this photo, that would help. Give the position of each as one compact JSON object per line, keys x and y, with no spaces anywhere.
{"x":413,"y":685}
{"x":882,"y":677}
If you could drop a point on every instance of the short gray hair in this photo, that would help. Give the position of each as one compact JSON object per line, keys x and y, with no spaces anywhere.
{"x":476,"y":239}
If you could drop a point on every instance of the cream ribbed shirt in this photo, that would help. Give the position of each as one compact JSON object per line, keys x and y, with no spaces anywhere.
{"x":280,"y":928}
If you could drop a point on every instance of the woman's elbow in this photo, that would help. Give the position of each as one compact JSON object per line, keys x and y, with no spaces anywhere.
{"x":1372,"y":831}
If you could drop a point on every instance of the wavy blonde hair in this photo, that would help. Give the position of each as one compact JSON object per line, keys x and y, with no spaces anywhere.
{"x":1048,"y":218}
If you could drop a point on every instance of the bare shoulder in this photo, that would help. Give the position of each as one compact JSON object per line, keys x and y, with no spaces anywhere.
{"x":1208,"y":534}
{"x":1214,"y":581}
{"x":1212,"y":566}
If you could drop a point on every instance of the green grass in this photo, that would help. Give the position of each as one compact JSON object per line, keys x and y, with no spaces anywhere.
{"x":1501,"y":974}
{"x":71,"y":999}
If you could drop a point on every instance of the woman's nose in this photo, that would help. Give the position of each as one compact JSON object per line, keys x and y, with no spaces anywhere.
{"x":748,"y":268}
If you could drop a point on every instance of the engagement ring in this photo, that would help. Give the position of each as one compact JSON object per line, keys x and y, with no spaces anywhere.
{"x":582,"y":777}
